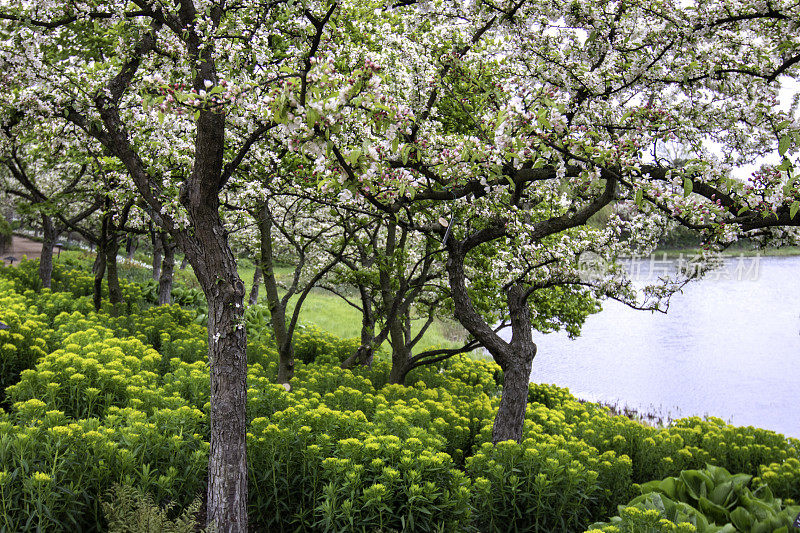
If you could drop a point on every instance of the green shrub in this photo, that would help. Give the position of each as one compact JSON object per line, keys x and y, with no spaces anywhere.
{"x":658,"y":514}
{"x":782,"y":478}
{"x":387,"y":483}
{"x":27,"y":339}
{"x":688,"y":443}
{"x":101,"y":399}
{"x":311,"y":344}
{"x":55,"y":470}
{"x":546,"y":483}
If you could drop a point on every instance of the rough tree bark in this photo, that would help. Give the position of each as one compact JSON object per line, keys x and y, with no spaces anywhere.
{"x":167,"y":270}
{"x":100,"y":263}
{"x":400,"y":354}
{"x":389,"y":295}
{"x":112,"y":274}
{"x":99,"y":271}
{"x":365,"y":353}
{"x":215,"y":266}
{"x":46,"y":259}
{"x":516,"y":363}
{"x":112,"y":247}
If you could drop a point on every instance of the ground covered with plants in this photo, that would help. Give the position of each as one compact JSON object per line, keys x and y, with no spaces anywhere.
{"x":105,"y":415}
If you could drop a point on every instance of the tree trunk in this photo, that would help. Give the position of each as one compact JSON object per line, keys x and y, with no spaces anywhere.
{"x":184,"y":262}
{"x":46,"y":259}
{"x":516,"y":365}
{"x":397,"y":339}
{"x":209,"y":253}
{"x":167,"y":270}
{"x":100,"y":263}
{"x":367,"y":333}
{"x":253,"y":298}
{"x":515,"y":358}
{"x":157,"y":249}
{"x":130,"y":246}
{"x":366,"y":352}
{"x":215,"y":265}
{"x":112,"y":249}
{"x":99,"y":270}
{"x":400,"y":363}
{"x":362,"y":356}
{"x":206,"y":245}
{"x":510,"y":419}
{"x":276,"y":308}
{"x":401,"y":356}
{"x":227,"y":357}
{"x":227,"y":462}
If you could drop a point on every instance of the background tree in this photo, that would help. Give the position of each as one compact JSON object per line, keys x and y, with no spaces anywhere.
{"x":49,"y":172}
{"x":289,"y":229}
{"x":400,"y":291}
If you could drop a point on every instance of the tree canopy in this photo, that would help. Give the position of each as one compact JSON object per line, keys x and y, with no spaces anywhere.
{"x":512,"y":138}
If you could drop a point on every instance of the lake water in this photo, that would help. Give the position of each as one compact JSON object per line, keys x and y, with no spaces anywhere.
{"x":728,"y":347}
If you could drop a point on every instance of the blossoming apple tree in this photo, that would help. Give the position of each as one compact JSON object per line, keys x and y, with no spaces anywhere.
{"x":285,"y":226}
{"x":500,"y":129}
{"x":507,"y":129}
{"x":179,"y":94}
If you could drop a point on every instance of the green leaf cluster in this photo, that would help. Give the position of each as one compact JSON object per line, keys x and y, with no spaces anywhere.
{"x":713,"y":501}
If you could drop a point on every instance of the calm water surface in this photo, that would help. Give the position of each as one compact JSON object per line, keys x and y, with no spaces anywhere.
{"x":728,"y":348}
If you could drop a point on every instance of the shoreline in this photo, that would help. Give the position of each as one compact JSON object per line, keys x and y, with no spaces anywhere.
{"x":674,"y":253}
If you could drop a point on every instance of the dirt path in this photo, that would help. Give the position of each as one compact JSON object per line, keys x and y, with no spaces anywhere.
{"x":21,"y":246}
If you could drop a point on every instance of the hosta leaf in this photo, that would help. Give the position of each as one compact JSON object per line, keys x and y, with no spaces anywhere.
{"x":742,"y":519}
{"x":715,"y":512}
{"x":723,"y":494}
{"x":697,"y":483}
